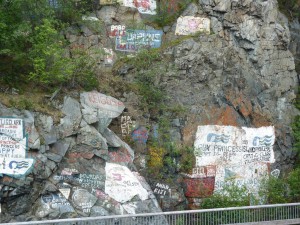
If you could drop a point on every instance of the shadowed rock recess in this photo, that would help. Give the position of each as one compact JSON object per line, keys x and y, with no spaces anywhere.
{"x":241,"y":74}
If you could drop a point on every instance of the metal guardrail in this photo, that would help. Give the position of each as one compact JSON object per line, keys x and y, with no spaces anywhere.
{"x":262,"y":214}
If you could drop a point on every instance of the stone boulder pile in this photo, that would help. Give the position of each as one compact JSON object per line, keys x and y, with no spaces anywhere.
{"x":81,"y":167}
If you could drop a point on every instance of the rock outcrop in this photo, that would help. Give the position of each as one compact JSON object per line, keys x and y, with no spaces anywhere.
{"x":241,"y":74}
{"x":81,"y":167}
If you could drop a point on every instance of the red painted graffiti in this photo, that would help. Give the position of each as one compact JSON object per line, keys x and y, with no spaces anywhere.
{"x":142,"y":3}
{"x":104,"y":100}
{"x":73,"y":156}
{"x":199,"y":187}
{"x":119,"y":157}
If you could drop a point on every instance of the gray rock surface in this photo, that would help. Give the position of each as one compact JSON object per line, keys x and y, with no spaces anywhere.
{"x":68,"y":176}
{"x":242,"y":74}
{"x":88,"y":135}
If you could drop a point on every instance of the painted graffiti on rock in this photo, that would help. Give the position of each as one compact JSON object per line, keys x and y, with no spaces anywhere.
{"x":143,"y":6}
{"x":74,"y":156}
{"x":161,"y":189}
{"x":275,"y":173}
{"x":13,"y":145}
{"x":90,"y":18}
{"x":69,"y":171}
{"x":109,"y":56}
{"x":203,"y":171}
{"x":11,"y":148}
{"x":12,"y":127}
{"x":83,"y":200}
{"x":91,"y":180}
{"x":135,"y":40}
{"x":249,"y":176}
{"x":232,"y":145}
{"x":56,"y":201}
{"x":83,"y":179}
{"x":126,"y":125}
{"x":15,"y":166}
{"x":240,"y":154}
{"x":121,"y":184}
{"x":65,"y":192}
{"x":199,"y":187}
{"x":107,"y":202}
{"x":140,"y":135}
{"x":119,"y":156}
{"x":64,"y":189}
{"x":117,"y":30}
{"x":187,"y":25}
{"x":67,"y":178}
{"x":107,"y":106}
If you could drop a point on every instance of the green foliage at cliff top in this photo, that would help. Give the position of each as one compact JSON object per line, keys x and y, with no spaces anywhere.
{"x":32,"y":45}
{"x":291,"y":8}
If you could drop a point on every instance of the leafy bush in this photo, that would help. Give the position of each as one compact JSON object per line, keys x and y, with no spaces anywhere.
{"x":284,"y":189}
{"x":291,"y":8}
{"x":46,"y":54}
{"x":230,"y":196}
{"x":167,"y":159}
{"x":155,"y":161}
{"x":293,"y":181}
{"x":274,"y":190}
{"x":187,"y":159}
{"x":32,"y":49}
{"x":145,"y":59}
{"x":51,"y":67}
{"x":296,"y":133}
{"x":22,"y":103}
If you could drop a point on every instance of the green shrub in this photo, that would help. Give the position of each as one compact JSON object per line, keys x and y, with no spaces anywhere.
{"x":32,"y":49}
{"x":231,"y":195}
{"x":284,"y":189}
{"x":49,"y":65}
{"x":22,"y":103}
{"x":274,"y":190}
{"x":187,"y":159}
{"x":145,"y":59}
{"x":155,"y":161}
{"x":296,"y":133}
{"x":291,"y":8}
{"x":293,"y":181}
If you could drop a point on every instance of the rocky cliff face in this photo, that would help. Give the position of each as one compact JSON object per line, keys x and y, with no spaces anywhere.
{"x":80,"y":168}
{"x":295,"y":42}
{"x":241,"y":74}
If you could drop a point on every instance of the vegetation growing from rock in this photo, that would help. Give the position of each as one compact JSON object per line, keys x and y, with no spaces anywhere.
{"x":206,"y":76}
{"x":32,"y":45}
{"x":168,"y":11}
{"x":284,"y":189}
{"x":291,"y":8}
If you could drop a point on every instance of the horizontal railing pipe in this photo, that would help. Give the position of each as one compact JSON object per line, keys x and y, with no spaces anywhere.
{"x":207,"y":216}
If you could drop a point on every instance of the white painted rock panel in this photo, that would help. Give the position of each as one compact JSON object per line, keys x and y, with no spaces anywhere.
{"x":122,"y":185}
{"x":106,"y":106}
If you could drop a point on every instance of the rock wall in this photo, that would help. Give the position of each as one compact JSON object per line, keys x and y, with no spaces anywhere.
{"x":241,"y":74}
{"x":295,"y":42}
{"x":81,"y":168}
